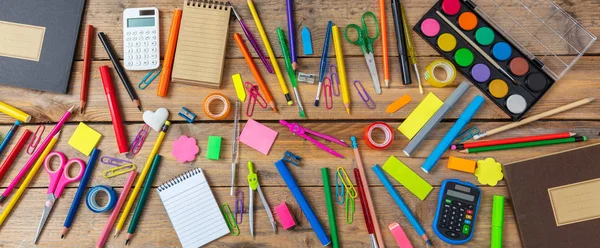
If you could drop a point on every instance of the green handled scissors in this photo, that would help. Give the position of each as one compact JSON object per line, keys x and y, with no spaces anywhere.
{"x":366,"y":44}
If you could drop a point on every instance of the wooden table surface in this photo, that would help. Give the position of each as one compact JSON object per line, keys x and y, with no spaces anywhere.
{"x":155,"y":230}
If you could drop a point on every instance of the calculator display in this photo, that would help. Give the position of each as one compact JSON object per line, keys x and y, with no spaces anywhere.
{"x":455,"y":216}
{"x":140,"y":22}
{"x":460,"y":195}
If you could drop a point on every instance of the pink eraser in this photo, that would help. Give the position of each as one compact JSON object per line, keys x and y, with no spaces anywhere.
{"x":185,"y":149}
{"x":285,"y":217}
{"x":399,"y":235}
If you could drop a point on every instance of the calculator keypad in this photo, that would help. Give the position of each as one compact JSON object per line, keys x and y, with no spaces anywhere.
{"x":141,"y":47}
{"x":456,"y":218}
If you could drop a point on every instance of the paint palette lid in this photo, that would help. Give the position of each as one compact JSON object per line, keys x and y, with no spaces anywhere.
{"x":540,"y":29}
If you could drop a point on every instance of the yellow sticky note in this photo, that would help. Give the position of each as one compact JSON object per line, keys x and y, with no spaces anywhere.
{"x":417,"y":119}
{"x":84,"y":139}
{"x":407,"y":177}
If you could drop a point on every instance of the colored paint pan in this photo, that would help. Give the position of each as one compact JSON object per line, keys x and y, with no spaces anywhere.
{"x":467,"y":21}
{"x":516,"y":104}
{"x":430,"y":27}
{"x":518,"y":66}
{"x":484,"y":36}
{"x":536,"y":82}
{"x":464,"y":57}
{"x":501,"y":51}
{"x":446,"y":42}
{"x":481,"y":73}
{"x":498,"y":88}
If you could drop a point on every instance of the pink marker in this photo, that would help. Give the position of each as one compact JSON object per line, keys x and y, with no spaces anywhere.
{"x":116,"y":210}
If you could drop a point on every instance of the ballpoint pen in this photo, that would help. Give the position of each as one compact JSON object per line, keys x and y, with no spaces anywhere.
{"x":303,"y":132}
{"x":410,"y":47}
{"x":290,"y":71}
{"x":365,"y":208}
{"x":252,"y":40}
{"x":401,"y":42}
{"x":323,"y":64}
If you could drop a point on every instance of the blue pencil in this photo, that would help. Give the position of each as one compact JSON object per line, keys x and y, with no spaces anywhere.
{"x":409,"y":215}
{"x":9,"y":135}
{"x":323,"y":65}
{"x":80,"y":190}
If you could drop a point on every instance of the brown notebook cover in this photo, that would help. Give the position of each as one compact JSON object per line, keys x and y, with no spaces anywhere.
{"x":556,"y":198}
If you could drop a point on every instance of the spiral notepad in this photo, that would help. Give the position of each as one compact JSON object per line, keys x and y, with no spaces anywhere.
{"x":192,"y":208}
{"x":200,"y":52}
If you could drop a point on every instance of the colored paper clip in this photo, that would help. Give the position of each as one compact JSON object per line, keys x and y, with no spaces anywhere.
{"x":147,"y":80}
{"x":187,"y":115}
{"x":229,"y":218}
{"x":239,"y":206}
{"x":335,"y":80}
{"x":138,"y":142}
{"x":364,"y":95}
{"x":347,"y":182}
{"x":35,"y":140}
{"x":467,"y":134}
{"x":113,"y":161}
{"x":328,"y":94}
{"x":339,"y":190}
{"x":254,"y":96}
{"x":119,"y":170}
{"x":349,"y":210}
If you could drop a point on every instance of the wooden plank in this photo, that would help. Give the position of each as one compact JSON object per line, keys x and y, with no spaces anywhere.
{"x":308,"y":173}
{"x":156,"y":230}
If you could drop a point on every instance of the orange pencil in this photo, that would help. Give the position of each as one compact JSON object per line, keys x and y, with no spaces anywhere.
{"x":384,"y":44}
{"x":254,"y":70}
{"x":165,"y":76}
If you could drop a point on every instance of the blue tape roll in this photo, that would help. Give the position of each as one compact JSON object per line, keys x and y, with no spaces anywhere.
{"x":90,"y":199}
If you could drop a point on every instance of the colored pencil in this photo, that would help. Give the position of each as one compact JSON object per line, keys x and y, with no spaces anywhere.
{"x":365,"y":208}
{"x":14,"y":152}
{"x":142,"y":202}
{"x":533,"y":118}
{"x":11,"y":132}
{"x":291,"y":32}
{"x":116,"y":210}
{"x":255,"y":72}
{"x":384,"y":43}
{"x":323,"y":64}
{"x":167,"y":67}
{"x":525,"y":144}
{"x":330,"y":209}
{"x":339,"y":56}
{"x":251,"y":38}
{"x":290,"y":71}
{"x":87,"y":59}
{"x":265,"y":39}
{"x":511,"y":140}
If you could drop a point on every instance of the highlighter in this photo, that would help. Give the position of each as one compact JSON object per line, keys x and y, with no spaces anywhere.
{"x":497,"y":221}
{"x":165,"y":77}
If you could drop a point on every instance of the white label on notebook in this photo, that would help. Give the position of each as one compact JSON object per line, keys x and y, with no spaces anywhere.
{"x":577,"y":202}
{"x":21,"y":41}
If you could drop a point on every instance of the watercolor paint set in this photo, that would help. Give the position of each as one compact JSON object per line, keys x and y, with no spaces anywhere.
{"x":512,"y":50}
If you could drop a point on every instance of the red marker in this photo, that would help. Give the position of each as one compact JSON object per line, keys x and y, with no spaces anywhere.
{"x":115,"y":112}
{"x":14,"y":153}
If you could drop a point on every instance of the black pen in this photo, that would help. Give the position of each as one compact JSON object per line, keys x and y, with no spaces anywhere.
{"x":119,"y":69}
{"x":401,"y":42}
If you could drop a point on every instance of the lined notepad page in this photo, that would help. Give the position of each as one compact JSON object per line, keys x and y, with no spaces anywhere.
{"x":193,"y":210}
{"x":200,"y":52}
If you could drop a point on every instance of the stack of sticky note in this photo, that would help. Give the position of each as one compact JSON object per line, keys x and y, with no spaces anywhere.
{"x":407,"y":177}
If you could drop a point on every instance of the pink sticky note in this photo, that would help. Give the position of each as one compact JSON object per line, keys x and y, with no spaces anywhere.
{"x":258,"y":136}
{"x":285,"y":217}
{"x":185,"y":149}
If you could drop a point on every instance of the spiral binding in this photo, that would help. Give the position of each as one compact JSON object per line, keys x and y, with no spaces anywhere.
{"x":207,"y":4}
{"x":179,"y":179}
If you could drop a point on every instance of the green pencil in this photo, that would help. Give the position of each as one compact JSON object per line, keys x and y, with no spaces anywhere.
{"x":290,"y":70}
{"x":525,"y":144}
{"x":139,"y":208}
{"x":330,"y":210}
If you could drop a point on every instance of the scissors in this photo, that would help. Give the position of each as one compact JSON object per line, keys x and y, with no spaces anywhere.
{"x":59,"y":178}
{"x":366,"y":44}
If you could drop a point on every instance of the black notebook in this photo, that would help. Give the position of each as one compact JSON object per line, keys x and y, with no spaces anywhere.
{"x":37,"y":43}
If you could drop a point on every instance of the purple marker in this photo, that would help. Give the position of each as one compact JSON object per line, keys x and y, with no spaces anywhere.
{"x":250,"y":37}
{"x":291,"y":34}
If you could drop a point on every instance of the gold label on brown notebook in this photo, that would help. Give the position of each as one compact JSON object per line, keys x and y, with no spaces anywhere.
{"x":21,"y":41}
{"x":577,"y":202}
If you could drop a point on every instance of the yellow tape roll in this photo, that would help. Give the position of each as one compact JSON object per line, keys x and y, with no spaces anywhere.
{"x":447,"y":66}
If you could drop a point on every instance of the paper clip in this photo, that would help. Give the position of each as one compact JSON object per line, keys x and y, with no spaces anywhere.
{"x":339,"y":190}
{"x":187,"y":115}
{"x":138,"y":142}
{"x":349,"y":210}
{"x":35,"y":140}
{"x":253,"y":97}
{"x":335,"y":80}
{"x":346,"y":182}
{"x":327,"y":93}
{"x":364,"y":95}
{"x":119,"y":170}
{"x":147,"y":80}
{"x":113,"y":161}
{"x":467,"y":134}
{"x":239,"y":206}
{"x":229,"y":218}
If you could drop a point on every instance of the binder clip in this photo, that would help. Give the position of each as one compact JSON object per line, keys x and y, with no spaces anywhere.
{"x":187,"y":115}
{"x":147,"y":80}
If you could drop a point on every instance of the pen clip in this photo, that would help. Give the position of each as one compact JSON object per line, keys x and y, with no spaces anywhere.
{"x":229,"y":218}
{"x":239,"y":206}
{"x":335,"y":80}
{"x":349,"y":210}
{"x":339,"y":190}
{"x":347,"y":182}
{"x":113,"y":161}
{"x":137,"y":143}
{"x":328,"y":93}
{"x":147,"y":80}
{"x":35,"y":140}
{"x":364,"y":95}
{"x":119,"y":170}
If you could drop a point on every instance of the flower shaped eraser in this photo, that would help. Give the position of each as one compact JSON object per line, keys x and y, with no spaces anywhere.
{"x":489,"y":172}
{"x":185,"y":149}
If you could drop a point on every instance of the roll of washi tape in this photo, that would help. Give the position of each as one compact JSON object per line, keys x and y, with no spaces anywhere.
{"x":92,"y":203}
{"x":387,"y":131}
{"x":226,"y":106}
{"x":447,"y":66}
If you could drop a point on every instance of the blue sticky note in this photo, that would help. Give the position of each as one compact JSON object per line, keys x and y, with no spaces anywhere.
{"x":306,"y":41}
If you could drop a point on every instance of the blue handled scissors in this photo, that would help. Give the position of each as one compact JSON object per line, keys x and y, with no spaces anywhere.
{"x":59,"y":178}
{"x":366,"y":44}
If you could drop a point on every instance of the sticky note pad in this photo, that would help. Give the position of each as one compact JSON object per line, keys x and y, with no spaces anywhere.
{"x":84,"y":139}
{"x":407,"y":177}
{"x":460,"y":164}
{"x":214,"y":148}
{"x":417,"y":119}
{"x":258,"y":136}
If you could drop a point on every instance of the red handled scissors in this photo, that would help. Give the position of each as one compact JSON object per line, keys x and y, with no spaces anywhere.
{"x":59,"y":178}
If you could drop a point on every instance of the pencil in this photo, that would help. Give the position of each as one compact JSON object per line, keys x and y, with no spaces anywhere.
{"x":291,"y":32}
{"x":116,"y":210}
{"x":167,"y":67}
{"x":384,"y":43}
{"x":259,"y":79}
{"x":87,"y":58}
{"x":251,"y":38}
{"x":339,"y":56}
{"x":511,"y":140}
{"x":8,"y":136}
{"x":525,"y":144}
{"x":265,"y":39}
{"x":142,"y":202}
{"x":14,"y":152}
{"x":138,"y":184}
{"x":290,"y":71}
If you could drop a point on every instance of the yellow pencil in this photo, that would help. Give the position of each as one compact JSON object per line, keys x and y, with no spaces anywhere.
{"x":339,"y":57}
{"x":141,"y":178}
{"x":272,"y":57}
{"x":28,"y":179}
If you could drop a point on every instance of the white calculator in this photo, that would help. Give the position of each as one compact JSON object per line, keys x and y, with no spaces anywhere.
{"x":141,"y":47}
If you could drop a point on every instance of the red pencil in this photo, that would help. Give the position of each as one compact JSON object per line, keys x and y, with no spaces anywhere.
{"x":364,"y":206}
{"x":87,"y":58}
{"x":512,"y":140}
{"x":115,"y":112}
{"x":13,"y":153}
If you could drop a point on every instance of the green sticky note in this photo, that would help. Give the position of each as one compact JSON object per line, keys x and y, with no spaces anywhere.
{"x":214,"y":148}
{"x":407,"y":177}
{"x":422,"y":113}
